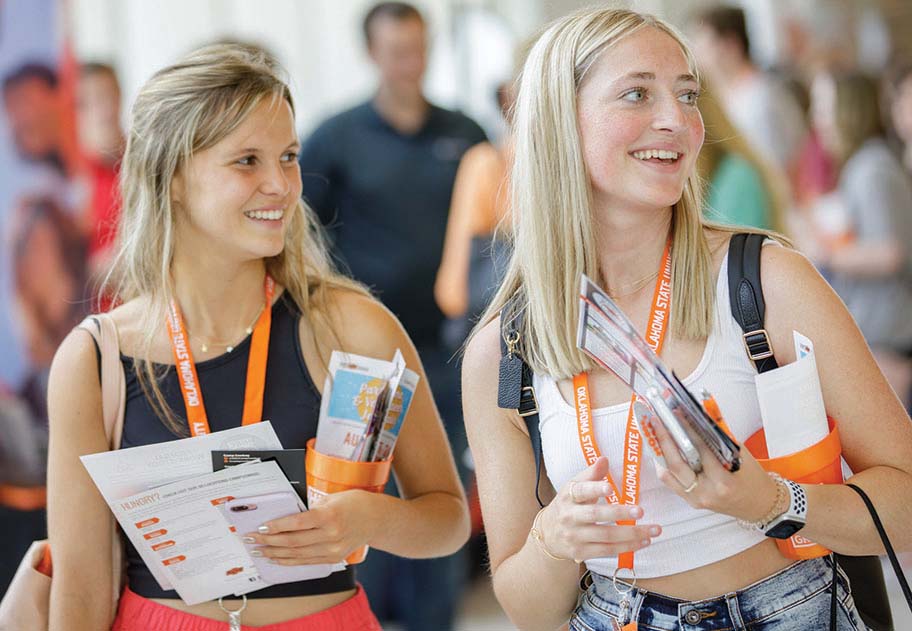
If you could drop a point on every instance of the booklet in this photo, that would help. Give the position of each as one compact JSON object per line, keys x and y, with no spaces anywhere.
{"x":179,"y":528}
{"x":126,"y":472}
{"x":606,"y":334}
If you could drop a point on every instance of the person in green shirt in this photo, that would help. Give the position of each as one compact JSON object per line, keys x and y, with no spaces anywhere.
{"x":740,"y":188}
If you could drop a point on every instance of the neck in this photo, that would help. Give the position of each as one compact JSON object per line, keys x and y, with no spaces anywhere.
{"x":630,"y":245}
{"x":218,"y":300}
{"x":403,"y":109}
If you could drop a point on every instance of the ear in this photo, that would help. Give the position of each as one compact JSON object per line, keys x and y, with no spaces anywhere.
{"x":177,"y":188}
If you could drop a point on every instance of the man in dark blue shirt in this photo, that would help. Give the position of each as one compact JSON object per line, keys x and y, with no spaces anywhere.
{"x":380,"y":177}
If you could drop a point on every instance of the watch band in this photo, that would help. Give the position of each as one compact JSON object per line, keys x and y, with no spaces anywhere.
{"x":794,"y":518}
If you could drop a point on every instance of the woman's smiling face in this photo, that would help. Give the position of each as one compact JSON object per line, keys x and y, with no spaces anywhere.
{"x":639,"y":125}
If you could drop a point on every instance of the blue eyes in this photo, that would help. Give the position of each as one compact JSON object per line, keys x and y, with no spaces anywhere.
{"x":638,"y":95}
{"x":249,"y":161}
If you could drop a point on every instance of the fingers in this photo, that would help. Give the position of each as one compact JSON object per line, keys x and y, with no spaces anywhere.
{"x":304,"y":555}
{"x":674,"y":463}
{"x":584,"y":492}
{"x":619,"y":535}
{"x":298,"y":521}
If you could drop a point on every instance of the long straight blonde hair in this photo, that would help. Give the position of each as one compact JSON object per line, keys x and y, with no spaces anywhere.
{"x":185,"y":108}
{"x":553,"y":234}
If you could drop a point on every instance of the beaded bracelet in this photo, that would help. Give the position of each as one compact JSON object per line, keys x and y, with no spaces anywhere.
{"x":780,"y":505}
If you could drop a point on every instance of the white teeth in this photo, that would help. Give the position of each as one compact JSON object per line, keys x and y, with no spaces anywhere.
{"x":662,"y":154}
{"x":270,"y":215}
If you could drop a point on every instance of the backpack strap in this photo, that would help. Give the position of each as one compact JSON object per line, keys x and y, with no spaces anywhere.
{"x":745,"y":292}
{"x":515,"y":390}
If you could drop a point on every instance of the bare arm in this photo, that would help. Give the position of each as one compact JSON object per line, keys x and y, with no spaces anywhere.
{"x":431,"y":517}
{"x":79,"y":521}
{"x":536,"y":591}
{"x":874,"y":428}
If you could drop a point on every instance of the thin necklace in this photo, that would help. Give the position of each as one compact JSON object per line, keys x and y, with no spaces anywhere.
{"x":634,"y":287}
{"x":204,"y":345}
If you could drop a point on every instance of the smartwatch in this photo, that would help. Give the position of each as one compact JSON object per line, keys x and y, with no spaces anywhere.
{"x":794,"y":517}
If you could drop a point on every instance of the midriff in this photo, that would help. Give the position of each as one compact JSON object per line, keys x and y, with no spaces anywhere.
{"x":262,"y":611}
{"x":721,"y":577}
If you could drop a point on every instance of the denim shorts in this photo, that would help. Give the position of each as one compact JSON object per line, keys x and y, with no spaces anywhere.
{"x":797,"y":598}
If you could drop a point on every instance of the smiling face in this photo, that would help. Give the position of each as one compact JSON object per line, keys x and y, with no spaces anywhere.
{"x":639,"y":124}
{"x":236,"y":198}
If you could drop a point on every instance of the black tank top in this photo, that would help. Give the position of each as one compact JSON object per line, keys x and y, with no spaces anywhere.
{"x":291,"y":403}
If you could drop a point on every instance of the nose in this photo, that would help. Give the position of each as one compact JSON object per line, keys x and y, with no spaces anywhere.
{"x":275,"y":181}
{"x":669,"y":114}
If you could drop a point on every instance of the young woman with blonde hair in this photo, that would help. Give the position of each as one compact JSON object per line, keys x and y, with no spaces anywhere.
{"x":213,"y":228}
{"x":607,"y":132}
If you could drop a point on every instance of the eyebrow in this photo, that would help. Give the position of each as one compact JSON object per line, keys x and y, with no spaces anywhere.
{"x":649,"y":76}
{"x":295,"y":143}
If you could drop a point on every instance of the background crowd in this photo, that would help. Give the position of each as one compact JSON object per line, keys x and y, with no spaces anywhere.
{"x":406,"y":150}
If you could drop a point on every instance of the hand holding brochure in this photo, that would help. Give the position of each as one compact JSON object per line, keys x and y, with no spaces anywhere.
{"x":606,"y":334}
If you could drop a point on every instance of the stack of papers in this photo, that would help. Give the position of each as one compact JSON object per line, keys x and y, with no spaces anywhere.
{"x":165,"y":498}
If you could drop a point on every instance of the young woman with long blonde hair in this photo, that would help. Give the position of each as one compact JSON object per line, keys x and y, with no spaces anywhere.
{"x":213,"y":228}
{"x":607,"y":133}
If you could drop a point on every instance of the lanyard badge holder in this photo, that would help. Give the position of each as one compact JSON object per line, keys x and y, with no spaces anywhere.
{"x":254,"y":390}
{"x":657,"y":326}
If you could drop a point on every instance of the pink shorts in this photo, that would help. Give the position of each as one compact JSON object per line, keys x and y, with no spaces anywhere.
{"x":136,"y":613}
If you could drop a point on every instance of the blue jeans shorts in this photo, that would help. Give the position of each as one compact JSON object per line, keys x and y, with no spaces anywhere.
{"x":797,"y":598}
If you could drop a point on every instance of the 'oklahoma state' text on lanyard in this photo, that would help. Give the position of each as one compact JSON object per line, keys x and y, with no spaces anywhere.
{"x":185,"y":366}
{"x":629,"y":493}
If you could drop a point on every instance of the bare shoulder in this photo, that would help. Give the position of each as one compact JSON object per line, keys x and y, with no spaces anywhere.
{"x":363,"y":325}
{"x":799,"y":299}
{"x":74,"y":388}
{"x":482,"y":353}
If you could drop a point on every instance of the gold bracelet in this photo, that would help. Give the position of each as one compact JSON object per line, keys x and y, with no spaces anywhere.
{"x":536,"y":534}
{"x":780,"y":505}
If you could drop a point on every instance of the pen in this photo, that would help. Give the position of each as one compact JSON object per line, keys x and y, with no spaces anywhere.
{"x":713,"y":411}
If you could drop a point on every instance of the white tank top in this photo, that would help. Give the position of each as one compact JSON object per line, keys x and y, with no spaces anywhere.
{"x":690,"y":537}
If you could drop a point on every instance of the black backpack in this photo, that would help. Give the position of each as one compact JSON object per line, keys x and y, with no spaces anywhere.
{"x":748,"y":308}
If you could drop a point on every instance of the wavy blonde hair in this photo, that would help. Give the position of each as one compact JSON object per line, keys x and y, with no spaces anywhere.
{"x":553,"y":232}
{"x":185,"y":108}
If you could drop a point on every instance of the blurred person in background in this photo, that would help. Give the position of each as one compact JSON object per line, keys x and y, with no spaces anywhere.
{"x":474,"y":258}
{"x":901,"y":111}
{"x":380,"y":177}
{"x":756,"y":102}
{"x":864,"y":231}
{"x":101,"y":140}
{"x":741,"y":188}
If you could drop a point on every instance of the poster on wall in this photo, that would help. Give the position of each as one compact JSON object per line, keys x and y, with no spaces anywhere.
{"x":44,"y":239}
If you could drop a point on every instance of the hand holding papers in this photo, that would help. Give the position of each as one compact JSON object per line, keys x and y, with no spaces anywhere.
{"x":166,"y":499}
{"x":607,"y":335}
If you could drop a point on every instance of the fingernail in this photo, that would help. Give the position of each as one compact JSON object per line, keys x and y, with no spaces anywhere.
{"x":256,"y":553}
{"x":655,"y":531}
{"x":636,"y":511}
{"x":248,"y":539}
{"x":263,"y":530}
{"x":644,"y":542}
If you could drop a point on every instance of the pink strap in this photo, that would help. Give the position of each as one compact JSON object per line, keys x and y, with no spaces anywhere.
{"x":113,"y":398}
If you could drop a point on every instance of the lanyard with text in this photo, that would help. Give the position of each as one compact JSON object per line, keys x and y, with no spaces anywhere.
{"x":256,"y":366}
{"x":629,"y":494}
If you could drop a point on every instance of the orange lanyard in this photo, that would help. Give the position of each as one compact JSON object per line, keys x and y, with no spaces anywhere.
{"x":256,"y":366}
{"x":655,"y":337}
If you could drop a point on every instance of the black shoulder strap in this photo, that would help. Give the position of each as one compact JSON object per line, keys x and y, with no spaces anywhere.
{"x":515,"y":389}
{"x":745,"y":293}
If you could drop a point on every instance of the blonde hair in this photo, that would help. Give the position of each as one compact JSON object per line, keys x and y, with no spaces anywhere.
{"x":553,"y":233}
{"x":185,"y":108}
{"x":723,"y":139}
